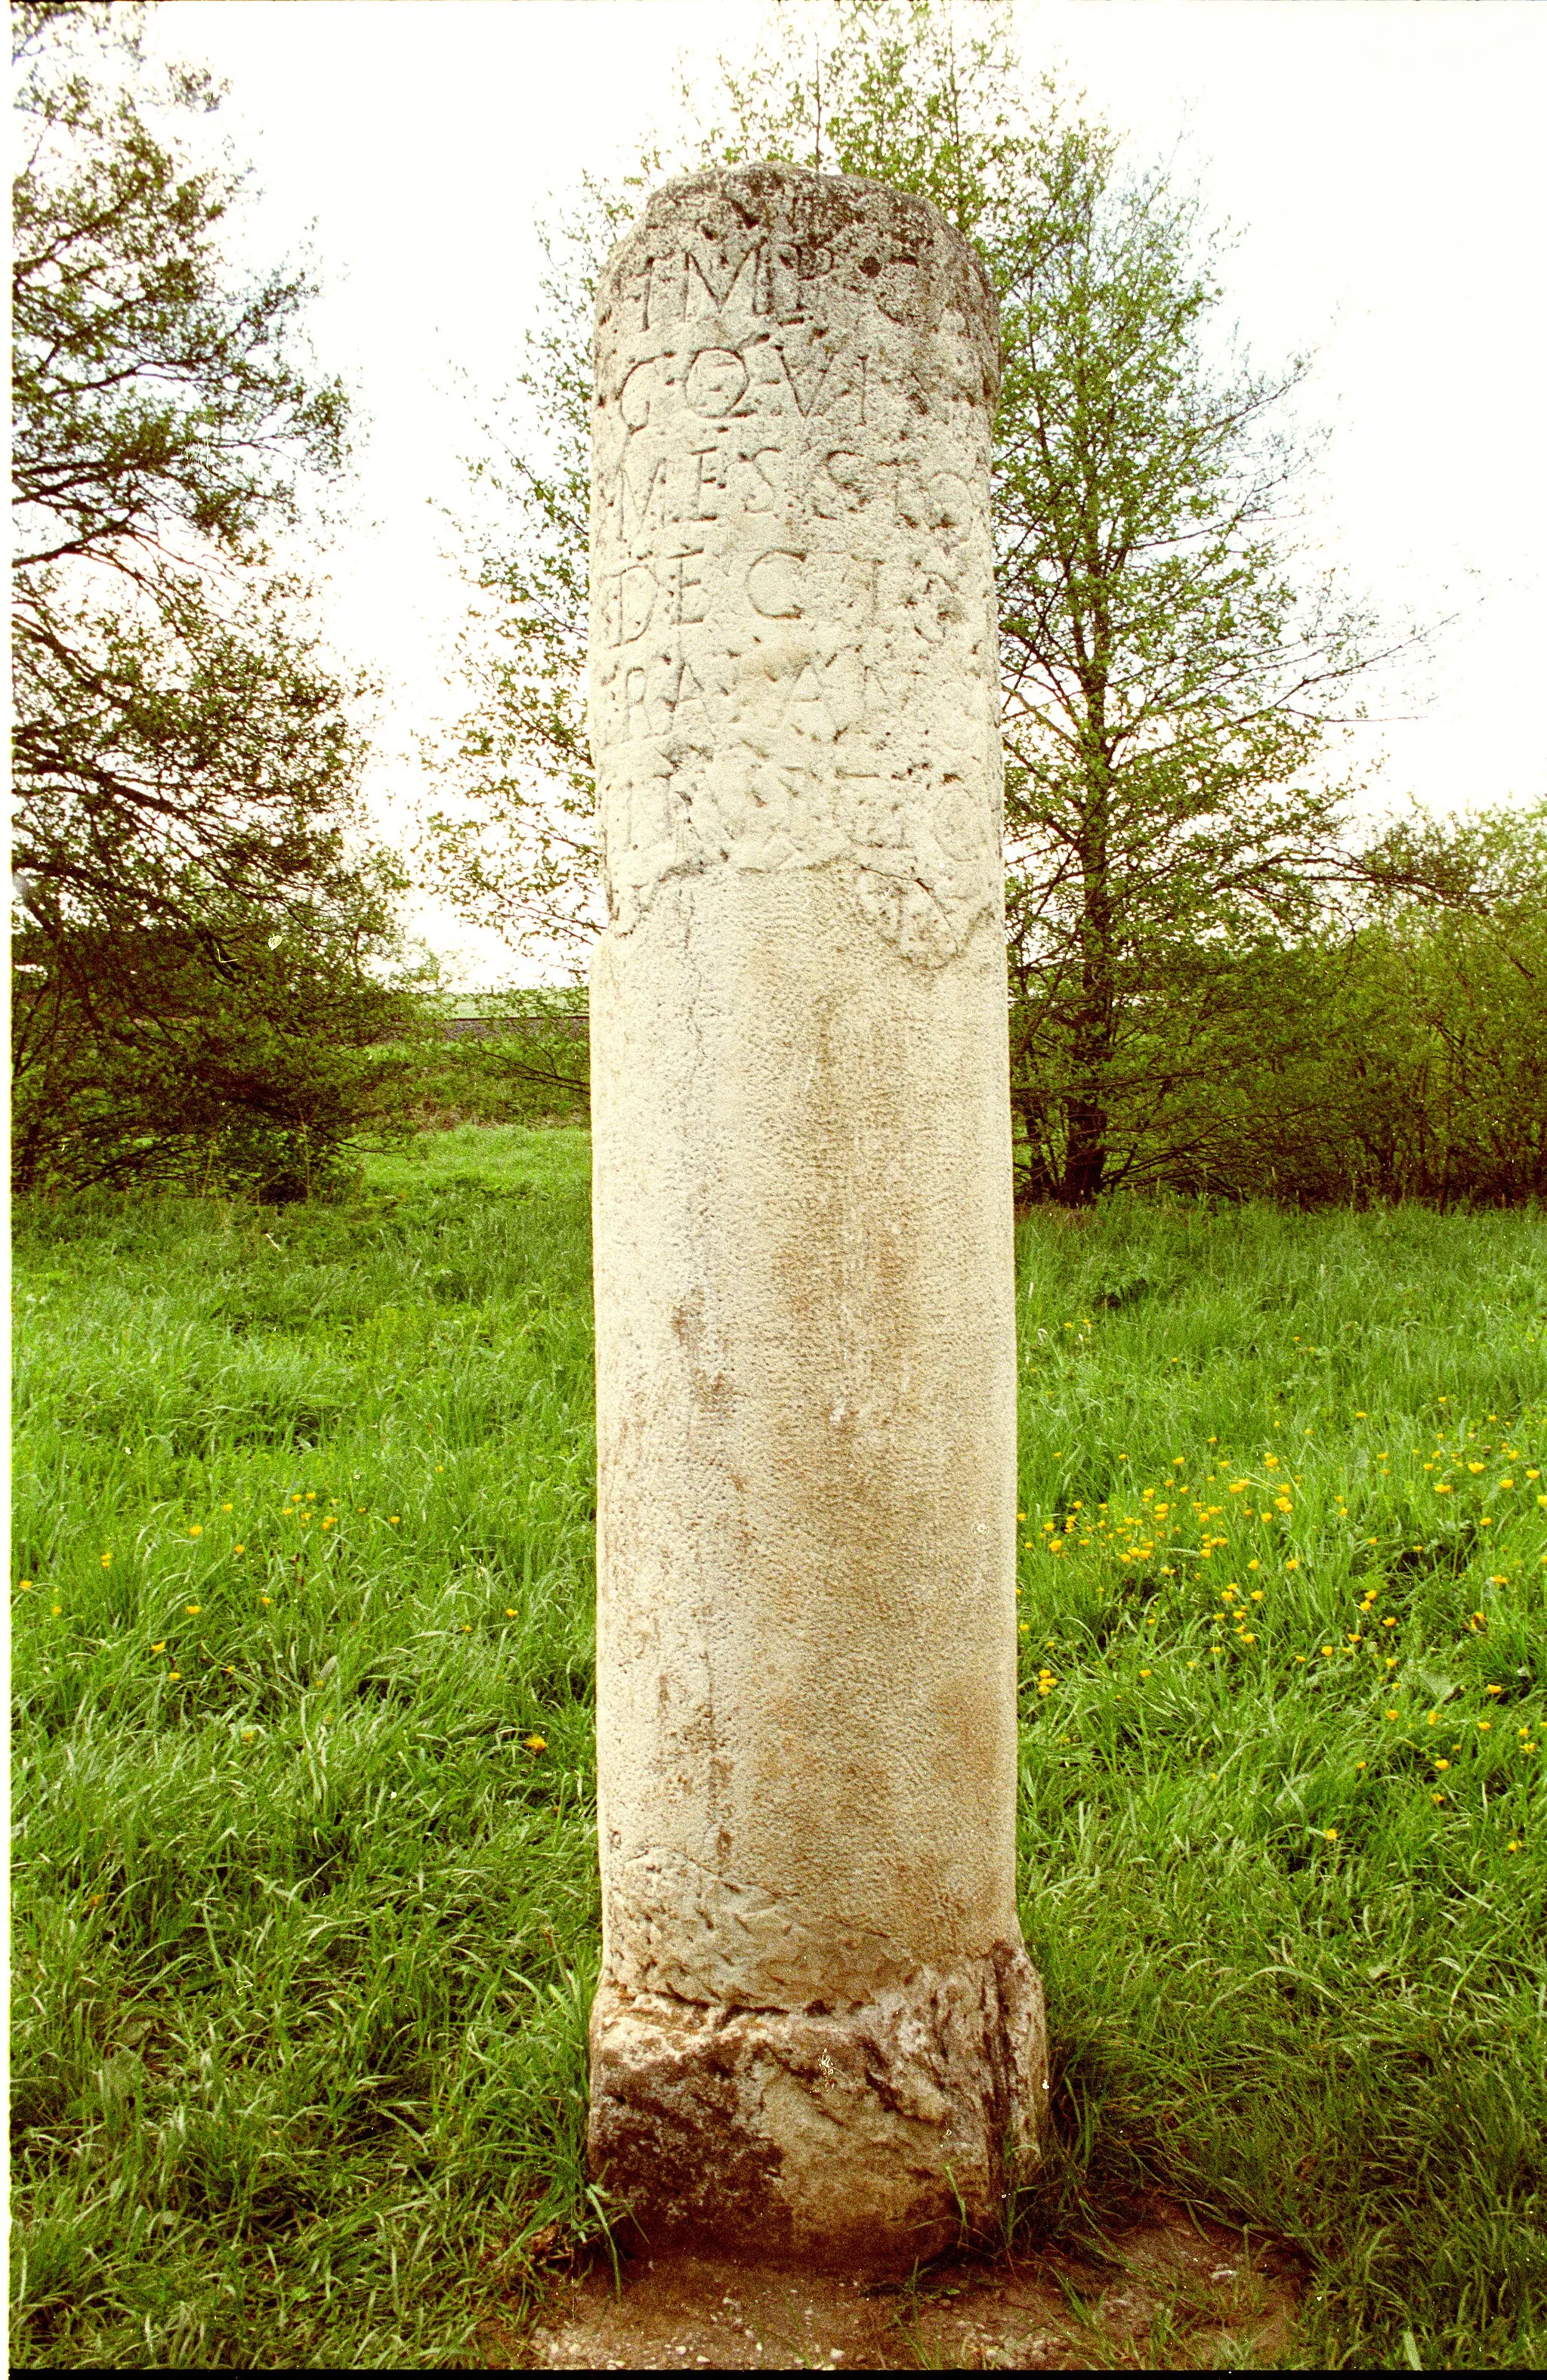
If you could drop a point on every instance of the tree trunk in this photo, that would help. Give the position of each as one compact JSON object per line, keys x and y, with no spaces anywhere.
{"x":1085,"y":1149}
{"x":1085,"y":1154}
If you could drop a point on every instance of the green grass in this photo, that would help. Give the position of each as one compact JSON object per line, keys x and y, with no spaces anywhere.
{"x":305,"y":1920}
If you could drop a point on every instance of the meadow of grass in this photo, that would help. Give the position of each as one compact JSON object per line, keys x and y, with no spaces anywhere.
{"x":305,"y":1903}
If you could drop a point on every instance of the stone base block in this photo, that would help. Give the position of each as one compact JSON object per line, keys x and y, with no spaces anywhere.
{"x":862,"y":2138}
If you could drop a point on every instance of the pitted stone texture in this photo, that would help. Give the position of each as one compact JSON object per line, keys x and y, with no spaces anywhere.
{"x":805,"y":1382}
{"x":861,"y":2136}
{"x":793,"y":638}
{"x":804,"y":1282}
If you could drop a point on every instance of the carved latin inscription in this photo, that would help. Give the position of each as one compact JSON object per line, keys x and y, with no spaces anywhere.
{"x":793,"y":645}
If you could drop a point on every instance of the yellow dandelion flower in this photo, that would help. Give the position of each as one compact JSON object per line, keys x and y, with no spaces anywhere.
{"x":1492,"y":1689}
{"x":1442,"y":1764}
{"x":160,"y":1647}
{"x":1147,"y":1673}
{"x":238,"y":1549}
{"x":226,"y":1508}
{"x":1512,"y":1847}
{"x":1331,"y":1833}
{"x":393,"y":1519}
{"x":1436,"y":1797}
{"x":173,"y":1675}
{"x":327,"y":1520}
{"x":197,"y":1530}
{"x":107,"y":1559}
{"x":193,"y":1609}
{"x":1292,"y":1565}
{"x":1326,"y":1650}
{"x":535,"y":1742}
{"x":57,"y":1609}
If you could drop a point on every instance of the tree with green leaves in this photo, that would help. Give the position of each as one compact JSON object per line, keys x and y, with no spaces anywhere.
{"x":514,"y":845}
{"x":1171,"y":664}
{"x":186,"y":760}
{"x":1397,"y":1048}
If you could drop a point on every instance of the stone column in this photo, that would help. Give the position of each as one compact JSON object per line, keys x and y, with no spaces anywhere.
{"x":817,"y":2034}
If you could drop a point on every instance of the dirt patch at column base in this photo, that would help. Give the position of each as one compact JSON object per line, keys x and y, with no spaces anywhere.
{"x":1162,"y":2289}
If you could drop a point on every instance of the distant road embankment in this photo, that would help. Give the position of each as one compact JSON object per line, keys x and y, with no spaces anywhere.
{"x":575,"y":1026}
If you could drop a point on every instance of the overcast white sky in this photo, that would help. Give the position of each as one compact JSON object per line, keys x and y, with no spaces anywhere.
{"x":1383,"y":162}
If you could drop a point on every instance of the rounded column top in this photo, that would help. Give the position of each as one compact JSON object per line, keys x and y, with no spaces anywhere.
{"x":792,"y":246}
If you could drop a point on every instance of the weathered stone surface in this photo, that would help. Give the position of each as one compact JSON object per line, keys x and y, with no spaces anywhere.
{"x":817,"y":2023}
{"x":822,"y":2136}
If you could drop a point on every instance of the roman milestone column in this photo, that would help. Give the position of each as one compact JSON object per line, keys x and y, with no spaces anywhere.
{"x":817,"y":2034}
